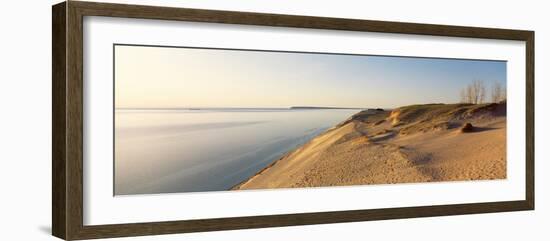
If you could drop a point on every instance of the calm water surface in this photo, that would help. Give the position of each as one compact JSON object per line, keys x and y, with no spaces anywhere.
{"x":164,"y":151}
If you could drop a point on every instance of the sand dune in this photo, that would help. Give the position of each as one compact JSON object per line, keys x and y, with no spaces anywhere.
{"x":419,"y":143}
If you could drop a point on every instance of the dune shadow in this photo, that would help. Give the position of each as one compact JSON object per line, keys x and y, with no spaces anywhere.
{"x":453,"y":125}
{"x":482,"y":129}
{"x":421,"y":158}
{"x":383,"y":137}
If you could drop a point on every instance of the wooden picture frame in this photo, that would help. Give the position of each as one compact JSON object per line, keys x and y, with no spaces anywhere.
{"x":67,"y":123}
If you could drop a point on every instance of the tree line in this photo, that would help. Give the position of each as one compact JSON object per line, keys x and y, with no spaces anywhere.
{"x":476,"y":93}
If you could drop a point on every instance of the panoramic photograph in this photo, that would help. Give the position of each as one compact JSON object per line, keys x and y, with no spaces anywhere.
{"x":201,"y":119}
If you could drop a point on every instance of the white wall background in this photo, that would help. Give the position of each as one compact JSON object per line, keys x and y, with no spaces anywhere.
{"x":25,"y":122}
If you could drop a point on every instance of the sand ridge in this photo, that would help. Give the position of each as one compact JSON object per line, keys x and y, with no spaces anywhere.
{"x":419,"y":143}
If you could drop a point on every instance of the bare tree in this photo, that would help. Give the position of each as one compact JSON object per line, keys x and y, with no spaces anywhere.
{"x":464,"y":96}
{"x":481,"y":91}
{"x":471,"y":94}
{"x":474,"y":93}
{"x":498,"y":93}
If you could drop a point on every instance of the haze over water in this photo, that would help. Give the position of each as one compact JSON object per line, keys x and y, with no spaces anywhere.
{"x":186,"y":150}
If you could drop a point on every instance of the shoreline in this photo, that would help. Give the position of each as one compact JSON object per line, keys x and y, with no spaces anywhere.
{"x":288,"y":153}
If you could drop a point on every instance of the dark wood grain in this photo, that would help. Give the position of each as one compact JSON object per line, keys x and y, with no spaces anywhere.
{"x":280,"y":20}
{"x":155,"y":228}
{"x":74,"y":120}
{"x":58,"y":121}
{"x":67,"y":153}
{"x":530,"y":120}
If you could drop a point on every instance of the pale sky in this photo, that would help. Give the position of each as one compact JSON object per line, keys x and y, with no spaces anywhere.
{"x":164,"y":77}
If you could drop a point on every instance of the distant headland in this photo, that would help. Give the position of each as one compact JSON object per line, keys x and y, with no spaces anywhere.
{"x":323,"y":108}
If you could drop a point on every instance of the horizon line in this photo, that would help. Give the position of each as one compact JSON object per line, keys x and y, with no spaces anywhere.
{"x":286,"y":107}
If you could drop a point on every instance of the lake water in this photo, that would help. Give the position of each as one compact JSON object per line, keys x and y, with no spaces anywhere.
{"x":166,"y":151}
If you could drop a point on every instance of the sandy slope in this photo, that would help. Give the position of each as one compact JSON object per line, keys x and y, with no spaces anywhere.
{"x":410,"y":144}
